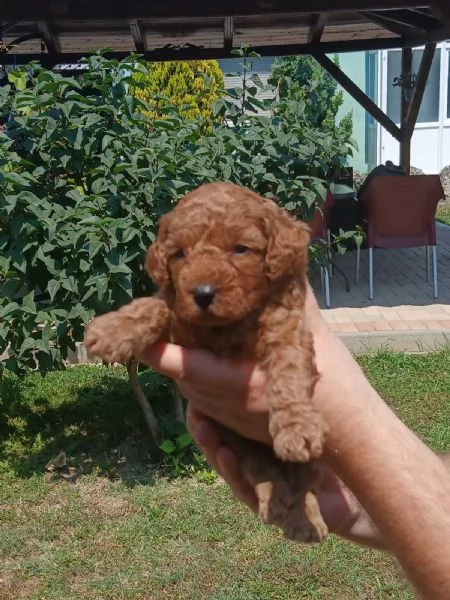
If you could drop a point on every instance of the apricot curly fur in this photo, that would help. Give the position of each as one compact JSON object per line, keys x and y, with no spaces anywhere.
{"x":253,"y":255}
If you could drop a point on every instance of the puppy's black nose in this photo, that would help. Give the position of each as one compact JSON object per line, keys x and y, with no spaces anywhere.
{"x":204,"y":295}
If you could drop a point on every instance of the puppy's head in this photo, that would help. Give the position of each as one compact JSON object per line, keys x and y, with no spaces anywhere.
{"x":221,"y":252}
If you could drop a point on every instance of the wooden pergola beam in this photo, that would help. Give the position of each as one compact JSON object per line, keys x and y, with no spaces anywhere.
{"x":441,"y":8}
{"x":422,"y":78}
{"x":436,"y":35}
{"x":405,"y":143}
{"x":140,"y":43}
{"x":402,"y":29}
{"x":200,"y":53}
{"x":317,"y":27}
{"x":228,"y":33}
{"x":410,"y":110}
{"x":49,"y":37}
{"x":413,"y":19}
{"x":356,"y":93}
{"x":139,"y":9}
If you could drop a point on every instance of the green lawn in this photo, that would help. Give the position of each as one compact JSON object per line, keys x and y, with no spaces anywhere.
{"x":443,"y":213}
{"x":114,"y":528}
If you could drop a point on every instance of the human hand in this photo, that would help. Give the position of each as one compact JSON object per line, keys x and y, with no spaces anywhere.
{"x":233,"y":392}
{"x":230,"y":392}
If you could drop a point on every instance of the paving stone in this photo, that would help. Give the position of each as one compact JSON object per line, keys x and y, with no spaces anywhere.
{"x":398,"y":325}
{"x":433,"y":324}
{"x":382,"y":326}
{"x":403,"y":299}
{"x":400,"y":341}
{"x":416,"y":325}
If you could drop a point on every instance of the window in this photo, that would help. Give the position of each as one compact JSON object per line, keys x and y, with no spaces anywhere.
{"x":429,"y":111}
{"x":370,"y":147}
{"x":448,"y":85}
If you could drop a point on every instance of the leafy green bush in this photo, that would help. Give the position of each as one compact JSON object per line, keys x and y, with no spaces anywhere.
{"x":85,"y":174}
{"x":180,"y":455}
{"x":302,"y":78}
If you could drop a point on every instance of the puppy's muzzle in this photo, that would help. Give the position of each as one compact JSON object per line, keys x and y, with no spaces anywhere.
{"x":204,"y":295}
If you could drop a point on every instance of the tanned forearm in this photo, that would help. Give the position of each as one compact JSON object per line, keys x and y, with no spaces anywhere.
{"x":404,"y":487}
{"x":362,"y":530}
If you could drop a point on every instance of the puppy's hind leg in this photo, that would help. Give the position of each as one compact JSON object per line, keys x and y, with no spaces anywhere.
{"x":285,"y":498}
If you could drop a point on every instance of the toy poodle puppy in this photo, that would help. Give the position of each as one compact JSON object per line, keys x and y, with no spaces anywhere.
{"x":232,"y":271}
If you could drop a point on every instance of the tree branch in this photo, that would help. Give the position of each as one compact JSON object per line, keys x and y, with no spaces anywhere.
{"x":149,"y":415}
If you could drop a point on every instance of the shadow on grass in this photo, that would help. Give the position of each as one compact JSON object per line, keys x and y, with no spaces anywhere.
{"x":89,"y":413}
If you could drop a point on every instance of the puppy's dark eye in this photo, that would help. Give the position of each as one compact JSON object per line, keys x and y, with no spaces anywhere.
{"x":178,"y":254}
{"x":240,"y":249}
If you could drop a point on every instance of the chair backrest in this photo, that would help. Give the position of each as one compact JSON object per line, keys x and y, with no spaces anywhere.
{"x":400,"y":210}
{"x":388,"y":169}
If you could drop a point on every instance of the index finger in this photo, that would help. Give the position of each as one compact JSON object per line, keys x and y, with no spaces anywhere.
{"x":201,"y":366}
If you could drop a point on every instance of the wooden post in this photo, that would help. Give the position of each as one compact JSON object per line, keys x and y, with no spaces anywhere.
{"x":410,"y":121}
{"x":405,"y":142}
{"x":316,"y":30}
{"x":49,"y":37}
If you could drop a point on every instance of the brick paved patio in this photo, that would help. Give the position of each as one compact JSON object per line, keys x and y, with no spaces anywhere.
{"x":403,"y":299}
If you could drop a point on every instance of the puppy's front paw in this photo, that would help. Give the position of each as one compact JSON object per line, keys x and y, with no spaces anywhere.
{"x":109,"y":338}
{"x":297,"y":442}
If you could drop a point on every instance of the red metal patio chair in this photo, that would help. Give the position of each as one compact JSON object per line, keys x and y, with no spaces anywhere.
{"x":399,"y":212}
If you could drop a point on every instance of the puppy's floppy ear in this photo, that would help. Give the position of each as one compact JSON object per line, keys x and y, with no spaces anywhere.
{"x":156,"y":260}
{"x":287,"y":249}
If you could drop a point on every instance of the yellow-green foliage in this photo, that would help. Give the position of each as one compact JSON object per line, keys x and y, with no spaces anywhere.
{"x":193,"y":86}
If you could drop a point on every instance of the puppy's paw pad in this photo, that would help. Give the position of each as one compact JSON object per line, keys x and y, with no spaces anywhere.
{"x":294,"y":444}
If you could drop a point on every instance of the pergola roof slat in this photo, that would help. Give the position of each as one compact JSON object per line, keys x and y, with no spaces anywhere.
{"x":396,"y":27}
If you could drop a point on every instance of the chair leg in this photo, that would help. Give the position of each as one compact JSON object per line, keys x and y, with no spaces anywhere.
{"x":358,"y":263}
{"x":322,"y":279}
{"x":427,"y":266}
{"x":435,"y":281}
{"x":326,"y":284}
{"x":370,"y":273}
{"x":329,"y":252}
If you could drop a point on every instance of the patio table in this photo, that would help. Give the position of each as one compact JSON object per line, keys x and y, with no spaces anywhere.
{"x":345,"y":213}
